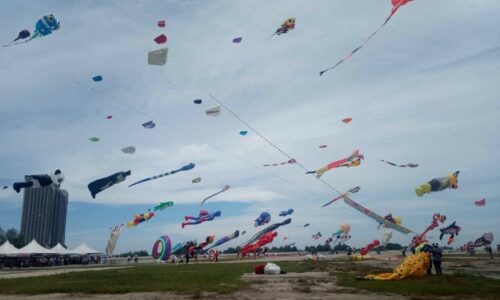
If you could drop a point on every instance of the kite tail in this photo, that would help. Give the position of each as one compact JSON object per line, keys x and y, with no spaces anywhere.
{"x":36,"y":35}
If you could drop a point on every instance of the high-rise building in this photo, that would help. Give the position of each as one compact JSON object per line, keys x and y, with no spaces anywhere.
{"x":44,"y":214}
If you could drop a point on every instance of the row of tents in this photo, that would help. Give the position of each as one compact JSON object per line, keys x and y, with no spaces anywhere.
{"x":7,"y":249}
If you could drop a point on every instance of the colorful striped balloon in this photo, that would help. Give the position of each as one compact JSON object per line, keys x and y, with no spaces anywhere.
{"x":162,"y":248}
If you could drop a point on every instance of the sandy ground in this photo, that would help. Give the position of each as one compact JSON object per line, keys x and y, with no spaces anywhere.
{"x":47,"y":271}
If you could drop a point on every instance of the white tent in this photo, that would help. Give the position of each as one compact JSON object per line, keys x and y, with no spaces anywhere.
{"x":34,"y":248}
{"x":83,"y":249}
{"x":59,"y":249}
{"x":8,"y":249}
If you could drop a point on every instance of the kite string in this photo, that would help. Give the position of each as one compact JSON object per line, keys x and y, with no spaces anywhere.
{"x":268,"y":141}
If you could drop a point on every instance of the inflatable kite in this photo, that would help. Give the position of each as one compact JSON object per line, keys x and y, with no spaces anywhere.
{"x":113,"y":238}
{"x":243,"y":132}
{"x":413,"y":266}
{"x":100,"y":185}
{"x":419,"y":239}
{"x":390,"y":218}
{"x":161,"y":23}
{"x":149,"y":125}
{"x":178,"y":246}
{"x":481,"y":202}
{"x":162,"y":248}
{"x":97,"y":78}
{"x":485,"y":240}
{"x":197,"y":101}
{"x":263,"y":240}
{"x":264,"y":218}
{"x":187,"y":167}
{"x":285,"y":213}
{"x":396,"y":4}
{"x":306,"y":225}
{"x":38,"y":181}
{"x":43,"y":27}
{"x":94,"y":139}
{"x":291,"y":161}
{"x":341,"y":238}
{"x":140,"y":218}
{"x":288,"y":25}
{"x":158,"y":57}
{"x":353,"y":160}
{"x":374,"y":216}
{"x":409,"y":165}
{"x":204,"y":216}
{"x":208,"y":240}
{"x":387,"y":237}
{"x":161,"y":39}
{"x":225,"y":188}
{"x":237,"y":40}
{"x":347,"y":120}
{"x":163,"y":205}
{"x":316,"y":235}
{"x":369,"y":247}
{"x":214,"y":111}
{"x":452,"y":230}
{"x":438,"y":184}
{"x":344,"y":228}
{"x":351,"y":191}
{"x":243,"y":232}
{"x":224,"y":240}
{"x":129,"y":150}
{"x":266,"y":230}
{"x":196,"y":180}
{"x":109,"y":117}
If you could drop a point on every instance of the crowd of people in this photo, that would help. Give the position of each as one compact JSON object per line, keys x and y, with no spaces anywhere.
{"x":47,"y":261}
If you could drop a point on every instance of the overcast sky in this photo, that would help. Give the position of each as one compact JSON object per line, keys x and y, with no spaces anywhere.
{"x":423,"y":90}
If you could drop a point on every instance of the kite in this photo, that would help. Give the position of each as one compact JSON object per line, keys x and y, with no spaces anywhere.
{"x":225,"y":188}
{"x":264,"y":218}
{"x":485,"y":240}
{"x":129,"y":150}
{"x":316,"y":235}
{"x":184,"y":168}
{"x":291,"y":161}
{"x":178,"y":246}
{"x":452,"y":230}
{"x":267,"y":229}
{"x":288,"y":25}
{"x":237,"y":40}
{"x":158,"y":57}
{"x":94,"y":139}
{"x":374,"y":216}
{"x":409,"y":165}
{"x":438,"y":184}
{"x":109,"y":117}
{"x":369,"y":247}
{"x":214,"y":111}
{"x":263,"y":240}
{"x":344,"y":228}
{"x":162,"y":248}
{"x":306,"y":225}
{"x":225,"y":239}
{"x":322,"y":146}
{"x":396,"y":4}
{"x":243,"y":232}
{"x":342,"y":238}
{"x":140,"y":218}
{"x":161,"y":23}
{"x":204,"y":216}
{"x":37,"y":181}
{"x":196,"y":180}
{"x":351,"y":191}
{"x":163,"y":205}
{"x":161,"y":39}
{"x":5,"y":187}
{"x":100,"y":185}
{"x":43,"y":27}
{"x":387,"y":237}
{"x":197,"y":101}
{"x":413,"y":266}
{"x":243,"y":132}
{"x":113,"y":238}
{"x":285,"y":213}
{"x":353,"y":160}
{"x":97,"y":78}
{"x":328,"y":241}
{"x":149,"y":125}
{"x":390,"y":218}
{"x":346,"y":120}
{"x":481,"y":202}
{"x":208,"y":240}
{"x":436,"y":219}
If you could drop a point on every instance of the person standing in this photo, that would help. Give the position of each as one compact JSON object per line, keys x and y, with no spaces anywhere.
{"x":437,"y":254}
{"x":187,"y":257}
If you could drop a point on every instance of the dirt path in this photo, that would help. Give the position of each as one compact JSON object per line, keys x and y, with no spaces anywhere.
{"x":48,"y":272}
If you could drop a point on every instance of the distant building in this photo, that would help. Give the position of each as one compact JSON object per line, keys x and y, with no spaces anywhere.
{"x":44,"y":215}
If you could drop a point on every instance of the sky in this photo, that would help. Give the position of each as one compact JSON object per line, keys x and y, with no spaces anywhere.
{"x":423,"y":90}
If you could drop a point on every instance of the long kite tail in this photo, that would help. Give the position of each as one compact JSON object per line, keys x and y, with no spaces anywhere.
{"x":348,"y":56}
{"x":36,"y":35}
{"x":225,"y":188}
{"x":141,"y":181}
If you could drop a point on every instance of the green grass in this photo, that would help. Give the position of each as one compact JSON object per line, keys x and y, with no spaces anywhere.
{"x":186,"y":279}
{"x":454,"y":286}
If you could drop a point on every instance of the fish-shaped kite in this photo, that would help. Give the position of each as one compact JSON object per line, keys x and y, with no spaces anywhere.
{"x":353,"y":160}
{"x":163,"y":205}
{"x":43,"y":27}
{"x":291,"y":161}
{"x":100,"y":185}
{"x":149,"y":125}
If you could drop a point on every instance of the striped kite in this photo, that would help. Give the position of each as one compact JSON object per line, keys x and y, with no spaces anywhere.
{"x":184,"y":168}
{"x":353,"y":160}
{"x":408,"y":165}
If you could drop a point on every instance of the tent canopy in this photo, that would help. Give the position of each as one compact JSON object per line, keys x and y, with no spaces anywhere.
{"x":34,"y":248}
{"x":59,"y":249}
{"x":83,"y":249}
{"x":8,"y":249}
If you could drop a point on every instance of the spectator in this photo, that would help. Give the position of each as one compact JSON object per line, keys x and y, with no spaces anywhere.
{"x":136,"y":258}
{"x":129,"y":258}
{"x":436,"y":254}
